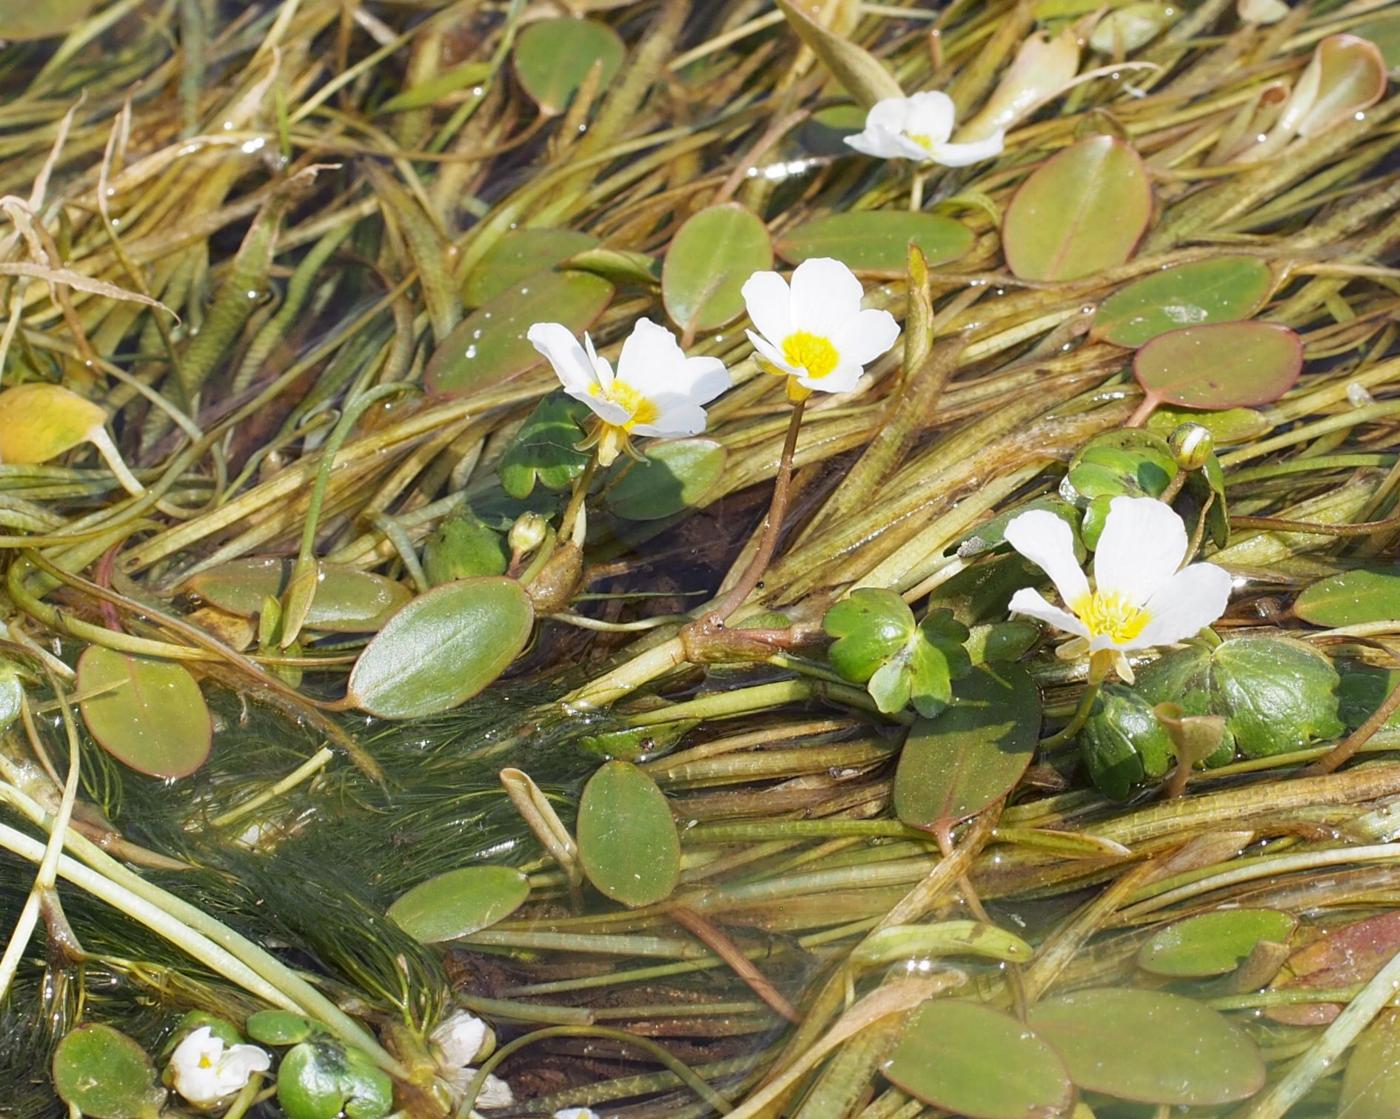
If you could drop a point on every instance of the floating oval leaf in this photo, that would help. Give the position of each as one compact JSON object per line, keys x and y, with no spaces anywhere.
{"x":674,"y":475}
{"x":105,"y":1075}
{"x":442,"y":648}
{"x":1221,"y":289}
{"x":1222,"y":365}
{"x":1233,"y":425}
{"x":347,"y":600}
{"x":489,"y":346}
{"x":876,"y":242}
{"x":322,"y":1079}
{"x":1345,"y":75}
{"x":1149,"y":1046}
{"x":553,"y":57}
{"x":1371,"y":1086}
{"x":1080,"y":212}
{"x":1343,"y":956}
{"x":955,"y":1055}
{"x":23,"y":19}
{"x":460,"y":902}
{"x":147,"y":713}
{"x":1277,"y":694}
{"x":1123,"y":744}
{"x":278,"y":1027}
{"x":39,"y":422}
{"x":519,"y":255}
{"x":1212,"y":943}
{"x":1352,"y":598}
{"x":627,"y":839}
{"x":710,"y":257}
{"x":957,"y":763}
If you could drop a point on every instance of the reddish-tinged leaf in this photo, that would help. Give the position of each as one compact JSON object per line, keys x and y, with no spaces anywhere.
{"x":1347,"y":955}
{"x":1219,"y":366}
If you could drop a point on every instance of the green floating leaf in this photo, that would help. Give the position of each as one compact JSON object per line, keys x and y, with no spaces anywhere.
{"x":1131,"y":462}
{"x":437,"y":87}
{"x":489,"y":346}
{"x":1123,"y":744}
{"x":1352,"y":598}
{"x":105,"y":1075}
{"x":860,"y":73}
{"x":1150,"y":1046}
{"x":460,"y":902}
{"x":627,"y":840}
{"x":1213,"y":943}
{"x":1363,"y":689}
{"x":621,"y":266}
{"x":942,"y":938}
{"x":278,"y":1027}
{"x":545,"y":449}
{"x":878,"y":644}
{"x":958,"y":763}
{"x":876,"y":242}
{"x":1277,"y":694}
{"x":1342,"y":957}
{"x":24,"y":19}
{"x":442,"y":648}
{"x":955,"y":1055}
{"x":1222,"y":365}
{"x":518,"y":256}
{"x":1231,"y":426}
{"x":463,"y":547}
{"x":149,"y":714}
{"x":553,"y":57}
{"x":1371,"y":1086}
{"x":1082,"y":211}
{"x":710,"y":258}
{"x":1220,"y":289}
{"x":675,"y":475}
{"x":322,"y":1079}
{"x":347,"y":600}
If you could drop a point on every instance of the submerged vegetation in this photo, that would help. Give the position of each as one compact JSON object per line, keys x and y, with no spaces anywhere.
{"x":683,"y":558}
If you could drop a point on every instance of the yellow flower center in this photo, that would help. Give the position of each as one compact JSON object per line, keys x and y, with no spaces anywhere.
{"x":640,"y":409}
{"x":811,"y":352}
{"x":204,"y":1061}
{"x":1112,"y":616}
{"x":923,"y":139}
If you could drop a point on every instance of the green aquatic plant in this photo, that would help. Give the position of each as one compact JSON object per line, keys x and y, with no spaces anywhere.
{"x":356,"y":678}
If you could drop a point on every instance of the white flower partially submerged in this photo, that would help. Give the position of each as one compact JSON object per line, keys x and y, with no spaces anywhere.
{"x":576,"y":1113}
{"x":1141,"y":597}
{"x":919,"y":128}
{"x":656,"y":390}
{"x":206,"y":1072}
{"x":815,"y":332}
{"x":461,"y":1039}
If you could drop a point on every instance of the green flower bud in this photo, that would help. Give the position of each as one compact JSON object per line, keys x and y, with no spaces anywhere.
{"x":527,"y":533}
{"x":1191,"y":445}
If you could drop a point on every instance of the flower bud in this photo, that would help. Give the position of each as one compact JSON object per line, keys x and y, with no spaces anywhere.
{"x":1191,"y":445}
{"x":527,"y":533}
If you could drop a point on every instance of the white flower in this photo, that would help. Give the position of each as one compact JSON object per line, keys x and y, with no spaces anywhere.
{"x":919,"y":128}
{"x":1139,"y":598}
{"x":656,"y":390}
{"x":206,"y":1073}
{"x":460,"y":1039}
{"x":494,"y":1093}
{"x":815,"y":333}
{"x":576,"y":1113}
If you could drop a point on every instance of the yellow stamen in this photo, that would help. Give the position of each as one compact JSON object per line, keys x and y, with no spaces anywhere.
{"x":811,"y":352}
{"x":1111,"y":615}
{"x":924,"y":140}
{"x":205,"y":1062}
{"x":640,"y":409}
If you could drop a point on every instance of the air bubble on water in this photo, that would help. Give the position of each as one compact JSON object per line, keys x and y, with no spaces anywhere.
{"x":471,"y":352}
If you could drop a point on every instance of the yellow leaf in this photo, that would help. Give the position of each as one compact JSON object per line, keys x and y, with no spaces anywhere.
{"x":39,"y":422}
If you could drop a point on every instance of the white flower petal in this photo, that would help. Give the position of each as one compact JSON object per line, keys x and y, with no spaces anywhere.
{"x":825,"y":293}
{"x":1047,"y":541}
{"x":930,"y":114}
{"x":961,"y":155}
{"x":602,"y":367}
{"x":1033,"y":604}
{"x":844,"y":378}
{"x":204,"y":1073}
{"x":651,"y":361}
{"x":890,"y":114}
{"x":769,"y":303}
{"x":1142,"y":544}
{"x":459,"y":1038}
{"x":576,"y":1113}
{"x":706,"y":378}
{"x":1189,"y":601}
{"x":866,"y":336}
{"x":240,"y":1062}
{"x":770,"y":353}
{"x":877,"y":142}
{"x":571,"y":364}
{"x":605,"y":409}
{"x":676,"y":415}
